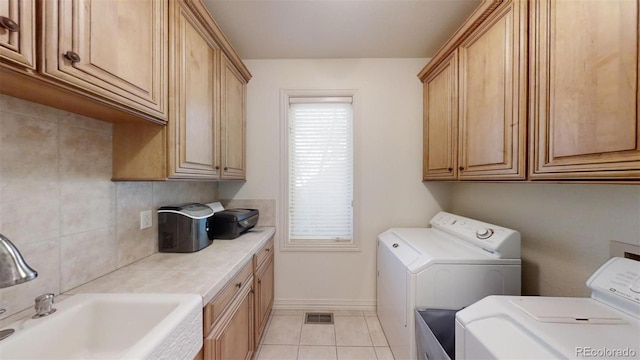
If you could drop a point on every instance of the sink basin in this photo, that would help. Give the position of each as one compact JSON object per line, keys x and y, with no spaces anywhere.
{"x":111,"y":326}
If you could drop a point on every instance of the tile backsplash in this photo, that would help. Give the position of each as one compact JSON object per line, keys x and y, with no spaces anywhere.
{"x":59,"y":206}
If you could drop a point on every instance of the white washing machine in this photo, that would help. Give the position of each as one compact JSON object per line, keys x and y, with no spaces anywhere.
{"x":607,"y":325}
{"x":453,"y":263}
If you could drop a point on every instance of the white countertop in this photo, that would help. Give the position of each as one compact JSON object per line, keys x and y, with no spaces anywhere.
{"x":204,"y":272}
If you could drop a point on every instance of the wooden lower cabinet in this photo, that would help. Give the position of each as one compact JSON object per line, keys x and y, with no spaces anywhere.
{"x":264,"y":296}
{"x":235,"y":319}
{"x":232,"y":337}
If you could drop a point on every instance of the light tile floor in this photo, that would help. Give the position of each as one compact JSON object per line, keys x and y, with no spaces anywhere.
{"x":355,"y":335}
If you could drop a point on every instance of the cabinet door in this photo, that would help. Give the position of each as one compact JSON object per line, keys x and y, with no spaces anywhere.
{"x":264,"y":296}
{"x":114,"y":49}
{"x":233,"y":121}
{"x":492,"y":133}
{"x":234,"y":341}
{"x":17,"y":32}
{"x":585,"y":89}
{"x":441,"y":121}
{"x":194,"y":61}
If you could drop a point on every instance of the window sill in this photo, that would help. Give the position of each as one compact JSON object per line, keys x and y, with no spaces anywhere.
{"x":318,"y":246}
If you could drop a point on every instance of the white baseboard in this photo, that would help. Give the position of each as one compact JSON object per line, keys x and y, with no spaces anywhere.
{"x":324,"y":304}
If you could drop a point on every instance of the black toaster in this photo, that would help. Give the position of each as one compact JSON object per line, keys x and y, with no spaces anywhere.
{"x":183,"y":228}
{"x":231,"y":223}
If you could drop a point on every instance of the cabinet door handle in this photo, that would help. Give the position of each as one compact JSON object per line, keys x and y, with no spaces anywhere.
{"x":267,"y":249}
{"x":71,"y":56}
{"x":259,"y":281}
{"x":8,"y":24}
{"x":239,"y":285}
{"x":217,"y":167}
{"x":461,"y":168}
{"x":226,"y":168}
{"x":450,"y":169}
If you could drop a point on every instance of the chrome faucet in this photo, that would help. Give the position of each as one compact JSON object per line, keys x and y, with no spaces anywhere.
{"x":13,"y":271}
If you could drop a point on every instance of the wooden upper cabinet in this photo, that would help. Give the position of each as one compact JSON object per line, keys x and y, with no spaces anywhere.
{"x":111,"y":49}
{"x":195,"y":62}
{"x":17,"y":33}
{"x":204,"y":138}
{"x":441,"y":121}
{"x":233,"y":121}
{"x":492,"y":96}
{"x":584,"y":91}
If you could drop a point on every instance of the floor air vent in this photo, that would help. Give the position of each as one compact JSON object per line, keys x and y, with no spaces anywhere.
{"x":318,"y":318}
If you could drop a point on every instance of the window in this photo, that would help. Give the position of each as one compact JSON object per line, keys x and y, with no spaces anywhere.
{"x":319,"y":176}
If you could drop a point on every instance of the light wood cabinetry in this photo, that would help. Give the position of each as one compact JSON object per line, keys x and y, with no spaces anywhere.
{"x":264,"y":286}
{"x":127,"y":62}
{"x":228,"y":319}
{"x":205,"y":137}
{"x":235,"y":319}
{"x":17,"y":33}
{"x":485,"y":77}
{"x":546,"y":90}
{"x":492,"y":125}
{"x":584,"y":93}
{"x":195,"y":63}
{"x":233,"y":122}
{"x":103,"y":59}
{"x":111,"y":49}
{"x":441,"y":121}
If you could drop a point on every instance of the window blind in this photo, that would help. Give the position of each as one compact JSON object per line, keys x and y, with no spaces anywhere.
{"x":321,"y":170}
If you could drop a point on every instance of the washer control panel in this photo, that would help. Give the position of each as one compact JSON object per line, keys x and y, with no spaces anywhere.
{"x":492,"y":238}
{"x":617,"y":283}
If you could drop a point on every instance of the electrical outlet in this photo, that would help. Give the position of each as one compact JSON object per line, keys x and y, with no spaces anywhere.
{"x":145,"y":219}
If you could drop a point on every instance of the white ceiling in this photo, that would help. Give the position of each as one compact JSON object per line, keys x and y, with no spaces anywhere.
{"x":314,"y":29}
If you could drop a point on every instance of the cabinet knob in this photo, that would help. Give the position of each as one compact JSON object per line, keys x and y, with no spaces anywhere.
{"x":259,"y":281}
{"x":217,"y":167}
{"x":267,"y":249}
{"x":71,"y":56}
{"x":8,"y":24}
{"x":461,"y":168}
{"x":450,"y":169}
{"x":239,"y":285}
{"x":226,"y":168}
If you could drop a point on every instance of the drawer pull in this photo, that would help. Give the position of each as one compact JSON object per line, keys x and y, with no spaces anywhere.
{"x":8,"y":24}
{"x":71,"y":56}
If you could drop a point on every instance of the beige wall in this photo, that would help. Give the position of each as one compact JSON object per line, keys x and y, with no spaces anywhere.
{"x":565,"y":228}
{"x":388,"y":142}
{"x":59,"y":206}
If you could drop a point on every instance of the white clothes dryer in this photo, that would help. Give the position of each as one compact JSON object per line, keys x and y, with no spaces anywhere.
{"x":451,"y":264}
{"x":605,"y":326}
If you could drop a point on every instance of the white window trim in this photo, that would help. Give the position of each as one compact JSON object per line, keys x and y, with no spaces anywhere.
{"x":283,"y":222}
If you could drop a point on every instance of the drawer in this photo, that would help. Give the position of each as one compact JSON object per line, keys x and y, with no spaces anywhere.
{"x":261,"y":255}
{"x":216,"y":307}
